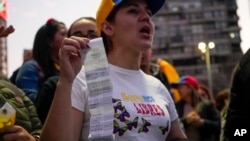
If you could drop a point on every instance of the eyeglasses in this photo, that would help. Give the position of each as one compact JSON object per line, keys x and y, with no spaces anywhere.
{"x":90,"y":35}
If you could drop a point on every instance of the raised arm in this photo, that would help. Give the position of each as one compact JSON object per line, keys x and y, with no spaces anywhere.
{"x":63,"y":122}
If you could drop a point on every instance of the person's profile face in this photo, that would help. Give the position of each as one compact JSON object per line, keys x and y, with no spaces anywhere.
{"x":59,"y":36}
{"x":184,"y":90}
{"x":202,"y":94}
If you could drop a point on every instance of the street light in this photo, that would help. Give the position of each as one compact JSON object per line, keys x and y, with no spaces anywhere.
{"x":205,"y":49}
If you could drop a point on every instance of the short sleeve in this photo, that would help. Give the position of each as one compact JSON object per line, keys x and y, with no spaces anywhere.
{"x":78,"y":94}
{"x":171,"y":105}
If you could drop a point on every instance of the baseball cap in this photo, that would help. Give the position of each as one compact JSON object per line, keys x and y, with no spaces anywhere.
{"x":187,"y":79}
{"x":107,"y":6}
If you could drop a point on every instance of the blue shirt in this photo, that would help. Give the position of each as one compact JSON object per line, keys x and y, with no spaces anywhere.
{"x":28,"y":79}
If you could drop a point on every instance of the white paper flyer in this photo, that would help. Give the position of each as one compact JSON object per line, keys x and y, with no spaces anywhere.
{"x":100,"y":91}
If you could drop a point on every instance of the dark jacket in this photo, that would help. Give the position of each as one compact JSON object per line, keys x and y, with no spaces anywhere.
{"x":157,"y":72}
{"x":26,"y":115}
{"x":13,"y":76}
{"x":45,"y":97}
{"x":30,"y":78}
{"x":210,"y":130}
{"x":238,"y":116}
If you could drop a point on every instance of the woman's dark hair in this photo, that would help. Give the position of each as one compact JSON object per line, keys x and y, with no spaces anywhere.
{"x":206,"y":90}
{"x":220,"y":98}
{"x":195,"y":98}
{"x":82,"y":18}
{"x":42,"y":49}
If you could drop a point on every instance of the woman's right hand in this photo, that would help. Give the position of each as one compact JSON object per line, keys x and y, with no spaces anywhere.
{"x":191,"y":117}
{"x":16,"y":133}
{"x":70,"y":58}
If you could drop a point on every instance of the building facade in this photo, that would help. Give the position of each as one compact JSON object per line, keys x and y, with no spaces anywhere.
{"x":3,"y":41}
{"x":180,"y":26}
{"x":3,"y":52}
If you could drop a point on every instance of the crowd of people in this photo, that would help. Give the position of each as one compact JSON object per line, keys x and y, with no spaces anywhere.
{"x":50,"y":93}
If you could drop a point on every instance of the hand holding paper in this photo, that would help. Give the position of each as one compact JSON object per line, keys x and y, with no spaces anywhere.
{"x":7,"y":115}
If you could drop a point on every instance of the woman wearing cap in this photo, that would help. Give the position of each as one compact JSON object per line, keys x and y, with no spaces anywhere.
{"x":127,"y":31}
{"x":199,"y":117}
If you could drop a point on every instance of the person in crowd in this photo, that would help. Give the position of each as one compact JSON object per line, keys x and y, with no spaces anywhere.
{"x":222,"y":99}
{"x":127,"y":30}
{"x":82,"y":27}
{"x":44,"y":63}
{"x":6,"y":31}
{"x":199,"y":117}
{"x":204,"y":93}
{"x":172,"y":74}
{"x":237,"y":116}
{"x":151,"y":68}
{"x":27,"y":126}
{"x":27,"y":55}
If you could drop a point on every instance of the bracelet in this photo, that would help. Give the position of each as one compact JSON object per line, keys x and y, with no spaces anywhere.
{"x":37,"y":137}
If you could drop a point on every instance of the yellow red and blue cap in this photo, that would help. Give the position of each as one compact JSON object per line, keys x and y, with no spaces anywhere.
{"x":188,"y":80}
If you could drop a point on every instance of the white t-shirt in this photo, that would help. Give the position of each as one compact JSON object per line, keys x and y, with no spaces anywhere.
{"x":143,"y":106}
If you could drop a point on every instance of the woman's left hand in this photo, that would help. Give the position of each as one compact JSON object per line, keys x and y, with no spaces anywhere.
{"x":16,"y":133}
